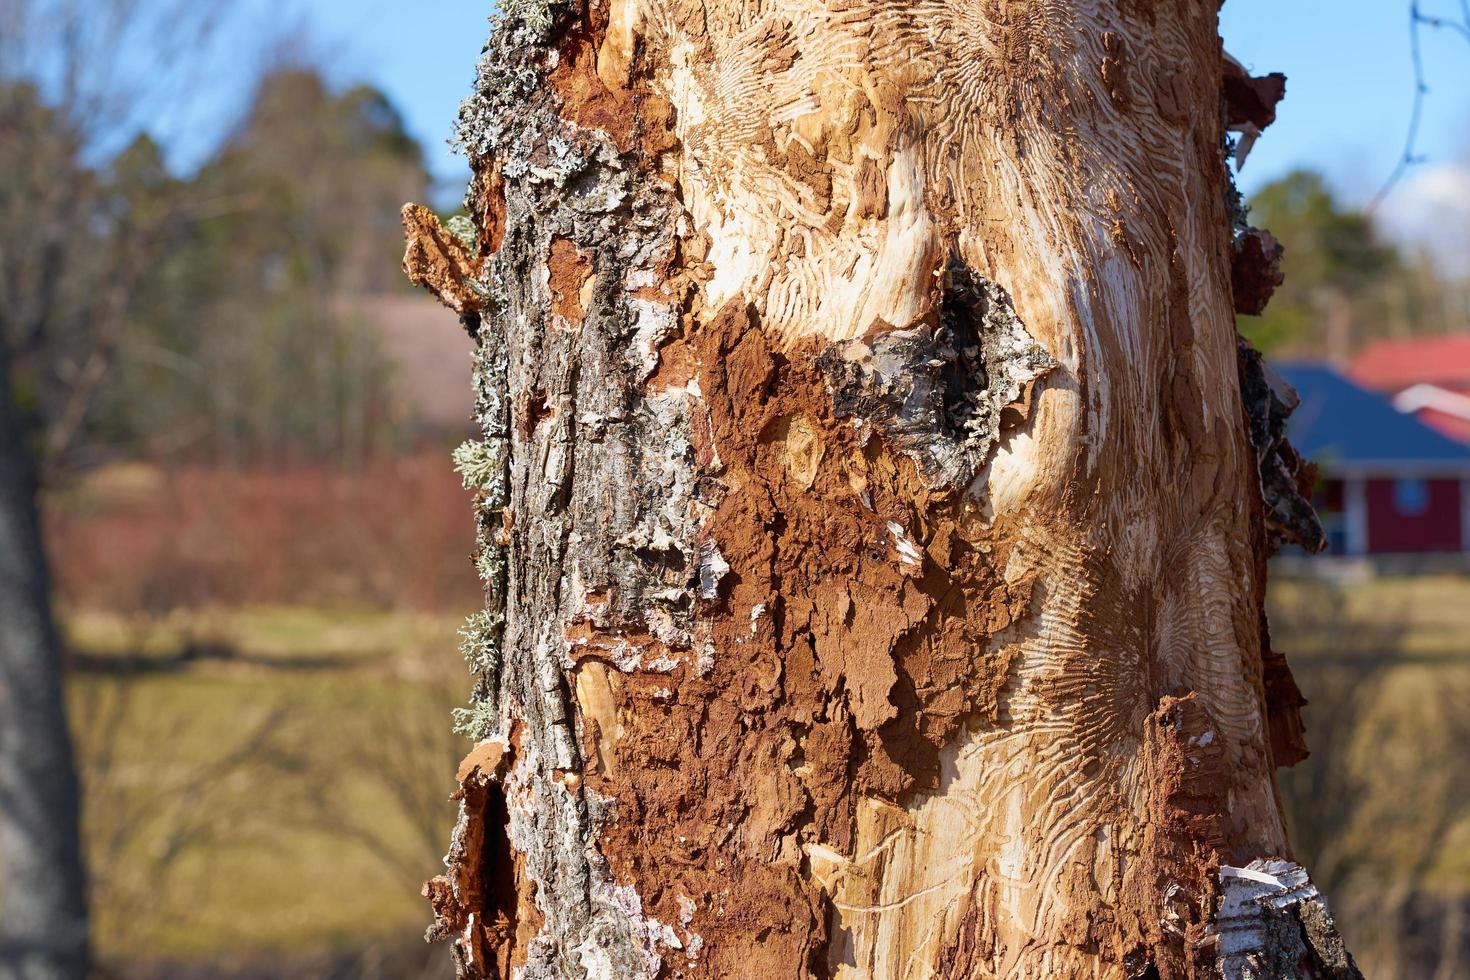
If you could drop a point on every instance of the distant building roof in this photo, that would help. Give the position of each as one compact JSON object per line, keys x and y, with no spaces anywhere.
{"x":1393,"y":365}
{"x":1343,"y":426}
{"x":1439,"y":408}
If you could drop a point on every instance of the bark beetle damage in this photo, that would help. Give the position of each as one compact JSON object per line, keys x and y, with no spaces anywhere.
{"x":737,"y":605}
{"x":1264,"y":920}
{"x":848,"y":632}
{"x":942,"y":389}
{"x":1187,"y":761}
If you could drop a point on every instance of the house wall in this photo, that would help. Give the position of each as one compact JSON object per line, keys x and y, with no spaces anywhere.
{"x":1329,"y":500}
{"x":1413,"y":515}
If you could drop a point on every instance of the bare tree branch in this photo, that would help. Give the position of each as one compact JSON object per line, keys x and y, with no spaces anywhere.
{"x":1410,"y":156}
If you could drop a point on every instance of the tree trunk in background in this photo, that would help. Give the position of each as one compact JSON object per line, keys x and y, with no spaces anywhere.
{"x":872,"y":521}
{"x":43,"y":912}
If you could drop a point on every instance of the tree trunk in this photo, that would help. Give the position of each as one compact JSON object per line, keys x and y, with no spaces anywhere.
{"x":873,"y":525}
{"x":43,"y":913}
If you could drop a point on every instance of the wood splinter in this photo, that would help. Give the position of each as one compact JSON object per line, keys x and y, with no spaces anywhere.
{"x":438,"y":261}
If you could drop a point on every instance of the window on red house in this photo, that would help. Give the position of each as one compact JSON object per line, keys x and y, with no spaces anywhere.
{"x":1410,"y":497}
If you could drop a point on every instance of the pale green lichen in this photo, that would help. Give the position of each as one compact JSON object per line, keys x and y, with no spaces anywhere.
{"x":482,"y":465}
{"x":479,"y":641}
{"x":477,"y":463}
{"x":490,"y":563}
{"x":461,"y":227}
{"x":529,"y":22}
{"x":507,"y":76}
{"x":477,"y":722}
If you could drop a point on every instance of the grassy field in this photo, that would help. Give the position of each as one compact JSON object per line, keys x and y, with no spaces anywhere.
{"x":263,"y":785}
{"x":268,"y":785}
{"x":1428,"y":616}
{"x":1381,"y":811}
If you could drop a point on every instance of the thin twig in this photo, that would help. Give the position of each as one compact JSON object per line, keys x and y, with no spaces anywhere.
{"x":1407,"y":159}
{"x":1410,"y":157}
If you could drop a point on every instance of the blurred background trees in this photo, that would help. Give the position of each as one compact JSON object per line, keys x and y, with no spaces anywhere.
{"x":223,"y":335}
{"x":167,"y":314}
{"x":239,"y":349}
{"x":163,"y":317}
{"x":1346,"y":283}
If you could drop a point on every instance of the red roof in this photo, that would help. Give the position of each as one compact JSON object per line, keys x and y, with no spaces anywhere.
{"x":1451,"y":425}
{"x":1393,"y":365}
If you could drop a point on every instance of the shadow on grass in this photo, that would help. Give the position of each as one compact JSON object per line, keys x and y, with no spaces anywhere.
{"x":196,"y":653}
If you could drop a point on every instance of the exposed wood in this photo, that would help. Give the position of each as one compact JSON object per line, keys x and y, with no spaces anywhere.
{"x":439,"y":262}
{"x":873,"y":531}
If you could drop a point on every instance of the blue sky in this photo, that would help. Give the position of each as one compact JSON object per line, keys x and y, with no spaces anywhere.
{"x":1350,"y":80}
{"x":421,"y":52}
{"x":1350,"y":83}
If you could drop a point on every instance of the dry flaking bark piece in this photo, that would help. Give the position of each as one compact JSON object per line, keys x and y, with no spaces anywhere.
{"x":474,"y":901}
{"x":1272,"y":922}
{"x":1251,"y":99}
{"x":435,"y":259}
{"x":1286,"y":479}
{"x":1250,"y":104}
{"x":1255,"y":271}
{"x":483,"y":761}
{"x":1255,"y":259}
{"x":570,"y":272}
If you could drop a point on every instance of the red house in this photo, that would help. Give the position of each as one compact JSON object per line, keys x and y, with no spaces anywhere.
{"x":1427,"y":377}
{"x":1390,"y":484}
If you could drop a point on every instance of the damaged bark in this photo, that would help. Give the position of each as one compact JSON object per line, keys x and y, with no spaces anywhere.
{"x":939,"y":389}
{"x":872,"y":500}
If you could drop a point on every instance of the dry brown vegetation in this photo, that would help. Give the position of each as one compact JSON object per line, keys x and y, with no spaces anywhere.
{"x":395,"y":533}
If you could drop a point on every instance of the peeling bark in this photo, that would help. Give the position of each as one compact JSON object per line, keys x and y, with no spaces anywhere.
{"x":872,"y":522}
{"x":438,"y":261}
{"x":1273,"y":923}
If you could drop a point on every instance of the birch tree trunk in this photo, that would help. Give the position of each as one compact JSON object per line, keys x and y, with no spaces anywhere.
{"x":43,"y":895}
{"x":874,"y":499}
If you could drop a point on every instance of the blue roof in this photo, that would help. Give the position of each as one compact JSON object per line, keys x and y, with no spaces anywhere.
{"x":1341,"y":425}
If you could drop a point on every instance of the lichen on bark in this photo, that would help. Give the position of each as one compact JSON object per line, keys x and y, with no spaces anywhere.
{"x":564,"y":537}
